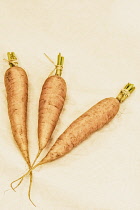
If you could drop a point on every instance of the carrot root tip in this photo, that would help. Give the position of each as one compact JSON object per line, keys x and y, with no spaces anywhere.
{"x":32,"y":202}
{"x":12,"y":188}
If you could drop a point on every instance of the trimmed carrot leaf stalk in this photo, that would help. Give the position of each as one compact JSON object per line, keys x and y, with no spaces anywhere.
{"x":125,"y":92}
{"x":92,"y":120}
{"x":59,"y":66}
{"x":12,"y":59}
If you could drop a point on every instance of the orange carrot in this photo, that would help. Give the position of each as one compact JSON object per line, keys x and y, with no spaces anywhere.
{"x":50,"y":105}
{"x":16,"y":83}
{"x":51,"y":102}
{"x":92,"y":120}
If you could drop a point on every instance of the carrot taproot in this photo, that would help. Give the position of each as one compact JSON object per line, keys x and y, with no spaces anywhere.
{"x":16,"y":83}
{"x":89,"y":122}
{"x":50,"y":106}
{"x":51,"y":102}
{"x":92,"y":120}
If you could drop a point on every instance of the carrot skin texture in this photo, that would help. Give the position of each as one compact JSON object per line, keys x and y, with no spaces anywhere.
{"x":50,"y":106}
{"x":89,"y":122}
{"x":16,"y":83}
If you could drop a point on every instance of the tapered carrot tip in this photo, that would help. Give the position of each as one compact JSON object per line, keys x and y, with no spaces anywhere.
{"x":16,"y":185}
{"x":32,"y":202}
{"x":13,"y":188}
{"x":12,"y":59}
{"x":29,"y":192}
{"x":125,"y":92}
{"x":21,"y":178}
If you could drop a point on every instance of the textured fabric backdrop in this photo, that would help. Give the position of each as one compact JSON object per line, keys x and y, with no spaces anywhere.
{"x":100,"y":40}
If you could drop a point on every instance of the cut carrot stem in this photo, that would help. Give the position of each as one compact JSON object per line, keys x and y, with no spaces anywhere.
{"x":125,"y":92}
{"x":62,"y":61}
{"x":12,"y":59}
{"x":59,"y":59}
{"x":59,"y":66}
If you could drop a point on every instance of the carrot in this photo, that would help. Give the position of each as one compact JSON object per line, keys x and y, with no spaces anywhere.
{"x":16,"y":83}
{"x":92,"y":120}
{"x":51,"y":102}
{"x":89,"y":122}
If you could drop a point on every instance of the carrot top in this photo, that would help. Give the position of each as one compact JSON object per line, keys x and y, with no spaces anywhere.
{"x":59,"y":66}
{"x":12,"y":59}
{"x":125,"y":92}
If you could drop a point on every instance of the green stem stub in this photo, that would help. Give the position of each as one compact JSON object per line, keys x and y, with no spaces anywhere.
{"x":125,"y":92}
{"x":59,"y":66}
{"x":12,"y":59}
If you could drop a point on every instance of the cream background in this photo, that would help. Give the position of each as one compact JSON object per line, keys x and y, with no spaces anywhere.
{"x":100,"y":40}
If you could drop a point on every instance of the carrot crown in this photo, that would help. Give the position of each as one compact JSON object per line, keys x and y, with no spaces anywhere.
{"x":59,"y":66}
{"x":125,"y":92}
{"x":12,"y":59}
